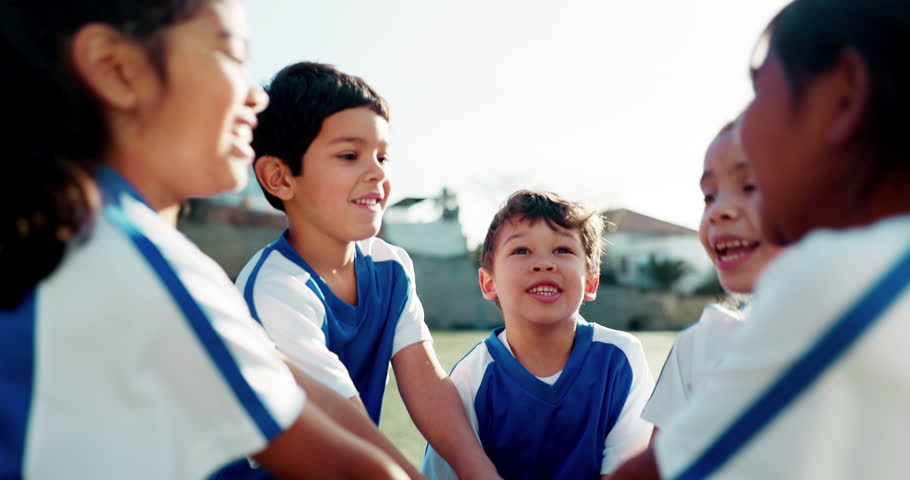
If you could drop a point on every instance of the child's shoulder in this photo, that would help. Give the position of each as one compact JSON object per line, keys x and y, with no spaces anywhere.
{"x":624,"y":340}
{"x":471,"y":367}
{"x":381,"y":251}
{"x":716,"y":323}
{"x":839,"y":262}
{"x":277,"y":262}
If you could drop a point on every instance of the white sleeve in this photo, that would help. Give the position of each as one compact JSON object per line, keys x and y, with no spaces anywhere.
{"x":293,"y":316}
{"x":411,"y":327}
{"x":669,"y":393}
{"x":434,"y":467}
{"x":631,"y":433}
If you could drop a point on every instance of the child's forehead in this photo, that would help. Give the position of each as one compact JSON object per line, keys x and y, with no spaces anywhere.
{"x":725,"y":159}
{"x":523,"y":228}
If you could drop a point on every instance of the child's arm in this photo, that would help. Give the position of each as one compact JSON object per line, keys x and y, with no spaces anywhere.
{"x":350,"y":415}
{"x":435,"y":406}
{"x":316,"y":447}
{"x":640,"y":467}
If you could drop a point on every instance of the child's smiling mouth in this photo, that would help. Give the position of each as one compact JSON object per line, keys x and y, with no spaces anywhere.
{"x":372,"y":202}
{"x":546,"y":292}
{"x":731,"y":251}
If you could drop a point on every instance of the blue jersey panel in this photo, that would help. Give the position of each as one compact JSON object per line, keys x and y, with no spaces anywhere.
{"x":530,"y":429}
{"x":17,"y":370}
{"x":363,"y":335}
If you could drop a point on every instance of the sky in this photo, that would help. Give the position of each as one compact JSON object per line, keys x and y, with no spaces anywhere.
{"x":612,"y":102}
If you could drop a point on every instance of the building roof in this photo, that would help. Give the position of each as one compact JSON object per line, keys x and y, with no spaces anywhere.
{"x":407,"y":202}
{"x":625,"y":220}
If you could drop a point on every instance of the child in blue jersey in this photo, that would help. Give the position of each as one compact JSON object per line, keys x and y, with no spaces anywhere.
{"x":340,"y":303}
{"x":729,"y":233}
{"x":816,"y":384}
{"x":124,"y":351}
{"x":550,"y":395}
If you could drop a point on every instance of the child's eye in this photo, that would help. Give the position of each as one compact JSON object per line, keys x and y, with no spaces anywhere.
{"x":564,"y":250}
{"x":238,"y":59}
{"x":383,"y":158}
{"x":708,"y":199}
{"x":750,"y":187}
{"x":348,"y":156}
{"x":520,"y":251}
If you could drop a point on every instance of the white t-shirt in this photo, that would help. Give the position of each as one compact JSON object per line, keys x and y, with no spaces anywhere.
{"x":696,"y":350}
{"x":136,"y":358}
{"x":817,"y":383}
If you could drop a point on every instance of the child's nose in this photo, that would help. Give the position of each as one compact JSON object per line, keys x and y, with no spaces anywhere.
{"x":723,"y":211}
{"x":544,"y":267}
{"x":257,"y":99}
{"x":377,"y":171}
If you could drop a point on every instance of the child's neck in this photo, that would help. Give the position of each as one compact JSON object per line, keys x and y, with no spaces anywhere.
{"x":332,"y":260}
{"x":864,"y":202}
{"x":542,"y":349}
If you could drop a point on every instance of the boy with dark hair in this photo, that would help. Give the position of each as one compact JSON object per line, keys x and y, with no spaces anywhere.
{"x":338,"y":302}
{"x":560,"y":397}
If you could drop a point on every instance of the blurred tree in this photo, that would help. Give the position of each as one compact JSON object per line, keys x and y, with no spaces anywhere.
{"x":664,"y":273}
{"x":711,"y":286}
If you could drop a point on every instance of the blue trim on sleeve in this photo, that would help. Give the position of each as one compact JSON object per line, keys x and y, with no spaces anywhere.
{"x":284,"y":247}
{"x":251,"y":281}
{"x":804,"y":372}
{"x":17,"y":376}
{"x":197,"y":319}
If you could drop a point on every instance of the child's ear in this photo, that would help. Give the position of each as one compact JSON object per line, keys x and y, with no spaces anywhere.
{"x":112,"y":67}
{"x":851,"y":90}
{"x":487,"y":287}
{"x":274,"y":176}
{"x":591,"y":284}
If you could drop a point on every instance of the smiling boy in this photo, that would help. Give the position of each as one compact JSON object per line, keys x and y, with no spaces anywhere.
{"x":549,"y":395}
{"x":338,"y":302}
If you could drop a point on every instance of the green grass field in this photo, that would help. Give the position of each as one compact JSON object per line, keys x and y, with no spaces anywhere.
{"x":450,"y":347}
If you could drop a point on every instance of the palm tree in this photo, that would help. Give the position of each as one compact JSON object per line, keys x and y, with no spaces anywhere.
{"x":664,"y":273}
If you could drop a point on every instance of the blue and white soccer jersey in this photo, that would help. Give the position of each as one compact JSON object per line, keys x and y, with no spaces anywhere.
{"x":345,"y":347}
{"x":817,"y":383}
{"x":696,"y":350}
{"x":136,"y":359}
{"x":578,"y":424}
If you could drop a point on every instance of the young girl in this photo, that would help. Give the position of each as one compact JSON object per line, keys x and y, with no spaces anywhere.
{"x":729,"y":233}
{"x":126,"y":353}
{"x":817,"y":383}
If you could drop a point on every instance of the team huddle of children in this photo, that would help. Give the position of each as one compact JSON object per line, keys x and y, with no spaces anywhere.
{"x":127,"y":353}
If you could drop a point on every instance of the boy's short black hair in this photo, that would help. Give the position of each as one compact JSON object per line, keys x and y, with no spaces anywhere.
{"x":536,"y":205}
{"x":301,"y":96}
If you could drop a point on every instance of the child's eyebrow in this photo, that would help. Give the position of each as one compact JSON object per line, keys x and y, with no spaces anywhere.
{"x":513,"y":237}
{"x":347,"y":140}
{"x":229,"y":35}
{"x":740,"y":167}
